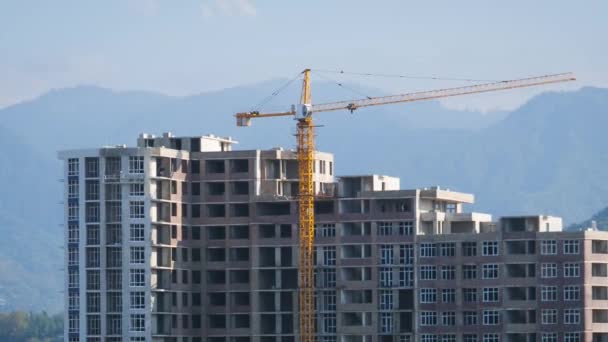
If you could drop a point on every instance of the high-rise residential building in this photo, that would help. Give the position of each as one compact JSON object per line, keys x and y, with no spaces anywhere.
{"x":185,"y":239}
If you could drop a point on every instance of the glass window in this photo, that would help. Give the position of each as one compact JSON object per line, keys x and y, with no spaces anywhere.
{"x":136,"y":164}
{"x":489,"y":248}
{"x":548,"y":247}
{"x":571,"y":247}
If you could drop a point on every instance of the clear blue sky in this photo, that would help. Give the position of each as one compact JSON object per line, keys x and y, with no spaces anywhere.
{"x":189,"y":46}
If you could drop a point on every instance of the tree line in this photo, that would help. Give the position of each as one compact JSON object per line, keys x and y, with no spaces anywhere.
{"x":22,"y":326}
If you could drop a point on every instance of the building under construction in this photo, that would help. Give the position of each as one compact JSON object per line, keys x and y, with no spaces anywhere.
{"x":186,"y":239}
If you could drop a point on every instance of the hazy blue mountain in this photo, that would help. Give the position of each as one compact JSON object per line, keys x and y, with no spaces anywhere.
{"x":30,"y":254}
{"x":600,"y":218}
{"x":546,"y":157}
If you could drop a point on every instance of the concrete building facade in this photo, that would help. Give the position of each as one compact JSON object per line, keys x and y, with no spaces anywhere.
{"x":185,"y":239}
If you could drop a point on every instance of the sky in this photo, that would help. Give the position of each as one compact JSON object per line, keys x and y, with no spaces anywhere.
{"x":187,"y":47}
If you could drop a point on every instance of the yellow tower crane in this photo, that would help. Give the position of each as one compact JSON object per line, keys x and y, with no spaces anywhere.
{"x":305,"y":153}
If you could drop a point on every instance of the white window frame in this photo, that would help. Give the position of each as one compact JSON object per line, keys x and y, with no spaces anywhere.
{"x":137,"y":189}
{"x":490,"y":295}
{"x":548,"y":247}
{"x":137,"y":323}
{"x":137,"y":277}
{"x":548,"y":270}
{"x":491,"y":317}
{"x":549,"y":316}
{"x":137,"y":232}
{"x":572,"y":247}
{"x":489,"y":248}
{"x":548,"y":293}
{"x":428,"y":295}
{"x":137,"y":300}
{"x":73,"y":166}
{"x":572,"y":316}
{"x":136,"y":164}
{"x":489,"y":271}
{"x":137,"y":209}
{"x":572,"y":270}
{"x":572,"y":293}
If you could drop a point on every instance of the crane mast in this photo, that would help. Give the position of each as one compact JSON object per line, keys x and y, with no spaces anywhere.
{"x":305,"y":155}
{"x":306,"y":207}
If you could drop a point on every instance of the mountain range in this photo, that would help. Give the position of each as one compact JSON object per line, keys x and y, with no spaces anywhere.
{"x":548,"y":156}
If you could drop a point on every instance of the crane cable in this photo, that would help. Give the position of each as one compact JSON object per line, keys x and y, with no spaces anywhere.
{"x":277,"y":91}
{"x":340,"y":84}
{"x":414,"y":77}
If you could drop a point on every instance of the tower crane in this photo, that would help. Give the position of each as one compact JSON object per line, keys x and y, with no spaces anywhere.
{"x":303,"y":114}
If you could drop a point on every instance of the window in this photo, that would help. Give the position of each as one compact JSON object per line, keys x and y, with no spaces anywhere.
{"x":489,"y":271}
{"x":428,"y":250}
{"x":384,"y":228}
{"x":92,"y":235}
{"x":329,"y":255}
{"x":448,"y":295}
{"x":428,"y":272}
{"x":72,"y":256}
{"x":137,"y":255}
{"x":469,"y":338}
{"x":448,"y":318}
{"x":93,"y":302}
{"x":469,"y":295}
{"x":138,"y":322}
{"x":406,"y":254}
{"x":93,"y":280}
{"x":549,"y":337}
{"x":92,"y":212}
{"x":406,"y":228}
{"x":489,"y":248}
{"x":386,"y":254}
{"x":73,"y":233}
{"x":138,"y":300}
{"x":73,"y":167}
{"x":136,"y":209}
{"x":92,"y":190}
{"x":490,"y":294}
{"x":136,"y":164}
{"x":73,"y":301}
{"x":428,"y":338}
{"x":491,"y":317}
{"x":491,"y":338}
{"x":469,"y":271}
{"x":572,"y":293}
{"x":572,"y":337}
{"x":469,"y":249}
{"x":138,"y":277}
{"x":73,"y":279}
{"x":448,"y":338}
{"x":469,"y":317}
{"x":73,"y":323}
{"x":73,"y":188}
{"x":447,"y":249}
{"x":386,"y":322}
{"x":548,"y":270}
{"x":406,"y":276}
{"x":73,"y":211}
{"x":136,"y":232}
{"x":571,"y":247}
{"x":325,"y":230}
{"x":549,"y":316}
{"x":386,"y":277}
{"x":136,"y":189}
{"x":386,"y":300}
{"x":572,"y":316}
{"x":93,"y":325}
{"x":571,"y":270}
{"x":91,"y":167}
{"x":92,"y":257}
{"x":448,"y":272}
{"x":428,"y":318}
{"x":548,"y":293}
{"x":548,"y":247}
{"x":428,"y":295}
